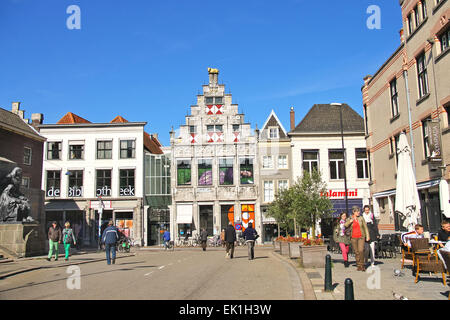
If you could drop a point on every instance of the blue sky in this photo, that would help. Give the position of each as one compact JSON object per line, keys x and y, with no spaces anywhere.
{"x":147,"y":60}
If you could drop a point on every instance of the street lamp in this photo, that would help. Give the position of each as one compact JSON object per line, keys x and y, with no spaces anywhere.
{"x":343,"y":152}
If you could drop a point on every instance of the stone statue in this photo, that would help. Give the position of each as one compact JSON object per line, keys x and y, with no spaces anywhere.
{"x":14,"y":206}
{"x":212,"y":70}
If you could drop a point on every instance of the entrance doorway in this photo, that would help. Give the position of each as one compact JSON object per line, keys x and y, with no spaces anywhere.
{"x":226,"y":215}
{"x":206,"y":219}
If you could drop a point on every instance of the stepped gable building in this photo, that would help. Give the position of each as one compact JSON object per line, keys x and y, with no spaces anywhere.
{"x":22,"y":144}
{"x":317,"y":144}
{"x":96,"y":167}
{"x":214,"y":167}
{"x":275,"y":168}
{"x":411,"y":93}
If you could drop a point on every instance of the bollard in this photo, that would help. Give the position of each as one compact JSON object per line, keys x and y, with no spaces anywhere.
{"x":328,"y":280}
{"x":349,"y":289}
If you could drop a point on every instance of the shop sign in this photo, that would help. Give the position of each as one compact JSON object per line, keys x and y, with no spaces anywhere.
{"x":340,"y":194}
{"x":53,"y":192}
{"x":434,"y":141}
{"x":104,"y":192}
{"x":127,"y":191}
{"x":75,"y":191}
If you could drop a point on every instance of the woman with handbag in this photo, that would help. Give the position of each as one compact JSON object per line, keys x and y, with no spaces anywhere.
{"x":359,"y":236}
{"x":68,"y":239}
{"x":341,"y":235}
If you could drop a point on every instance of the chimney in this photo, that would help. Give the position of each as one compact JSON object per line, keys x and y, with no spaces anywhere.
{"x":213,"y":76}
{"x":402,"y":36}
{"x":36,"y":120}
{"x":15,"y":108}
{"x":292,"y":113}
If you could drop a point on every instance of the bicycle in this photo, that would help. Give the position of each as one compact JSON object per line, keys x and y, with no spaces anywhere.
{"x":124,"y":245}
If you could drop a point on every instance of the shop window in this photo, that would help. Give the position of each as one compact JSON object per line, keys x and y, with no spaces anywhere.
{"x":103,"y":183}
{"x":127,"y":180}
{"x":226,"y":171}
{"x":75,"y":183}
{"x":104,"y":149}
{"x":205,"y":172}
{"x":248,"y":215}
{"x":53,"y":183}
{"x":246,"y":170}
{"x":183,"y":172}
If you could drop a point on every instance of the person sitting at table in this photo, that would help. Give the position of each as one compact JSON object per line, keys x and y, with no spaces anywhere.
{"x":415,"y":234}
{"x":444,"y":233}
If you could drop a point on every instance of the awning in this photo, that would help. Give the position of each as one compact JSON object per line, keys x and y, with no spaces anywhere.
{"x":420,"y":186}
{"x":184,"y":213}
{"x":64,"y":205}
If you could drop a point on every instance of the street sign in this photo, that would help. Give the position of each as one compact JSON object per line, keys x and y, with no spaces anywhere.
{"x":238,"y":226}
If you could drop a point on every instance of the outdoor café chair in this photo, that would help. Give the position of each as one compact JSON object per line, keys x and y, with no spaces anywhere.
{"x":407,"y":252}
{"x":429,"y":262}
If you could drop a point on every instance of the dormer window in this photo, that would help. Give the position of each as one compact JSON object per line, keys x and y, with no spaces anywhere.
{"x":274,"y":133}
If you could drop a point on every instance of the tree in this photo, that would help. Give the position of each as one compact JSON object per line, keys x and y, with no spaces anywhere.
{"x":305,"y":202}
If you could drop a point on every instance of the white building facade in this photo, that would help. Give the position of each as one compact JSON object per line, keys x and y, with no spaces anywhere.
{"x":91,"y":168}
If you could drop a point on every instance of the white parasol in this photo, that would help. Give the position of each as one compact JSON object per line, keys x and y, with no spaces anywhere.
{"x":444,"y":197}
{"x":407,"y":201}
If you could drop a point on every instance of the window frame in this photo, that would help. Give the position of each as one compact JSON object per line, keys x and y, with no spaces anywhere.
{"x":200,"y":162}
{"x":336,"y":163}
{"x":422,"y":75}
{"x":127,"y":178}
{"x":310,"y":161}
{"x":77,"y":177}
{"x":29,"y":156}
{"x":186,"y":162}
{"x":127,"y":149}
{"x":394,"y":97}
{"x":267,"y":161}
{"x":103,"y":150}
{"x":53,"y":151}
{"x":56,"y":182}
{"x":226,"y":165}
{"x":285,"y":163}
{"x":104,"y":178}
{"x":365,"y":163}
{"x":73,"y":152}
{"x":270,"y":195}
{"x":250,"y":163}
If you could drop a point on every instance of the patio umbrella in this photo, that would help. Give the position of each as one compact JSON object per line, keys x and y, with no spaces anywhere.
{"x":407,"y":201}
{"x":444,"y":197}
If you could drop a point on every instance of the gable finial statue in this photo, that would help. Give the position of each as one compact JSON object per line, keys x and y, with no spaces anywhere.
{"x":14,"y":206}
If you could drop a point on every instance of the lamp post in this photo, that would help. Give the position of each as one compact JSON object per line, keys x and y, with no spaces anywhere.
{"x":343,"y":152}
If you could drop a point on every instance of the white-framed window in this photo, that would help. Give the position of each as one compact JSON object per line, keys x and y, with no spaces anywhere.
{"x":25,"y":182}
{"x":362,"y":164}
{"x":394,"y":97}
{"x":127,"y":149}
{"x":310,"y":160}
{"x":27,"y":156}
{"x":267,"y":162}
{"x":282,"y":162}
{"x":283,"y":185}
{"x":274,"y":133}
{"x":54,"y":150}
{"x":268,"y":191}
{"x":337,"y":167}
{"x":422,"y":76}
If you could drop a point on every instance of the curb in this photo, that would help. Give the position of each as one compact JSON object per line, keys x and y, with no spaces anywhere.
{"x":12,"y":273}
{"x":308,"y":290}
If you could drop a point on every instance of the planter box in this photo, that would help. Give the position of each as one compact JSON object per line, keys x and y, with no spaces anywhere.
{"x":294,"y":249}
{"x":313,"y":256}
{"x":284,"y":248}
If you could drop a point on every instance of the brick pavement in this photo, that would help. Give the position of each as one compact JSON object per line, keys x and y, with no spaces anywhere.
{"x":429,"y":287}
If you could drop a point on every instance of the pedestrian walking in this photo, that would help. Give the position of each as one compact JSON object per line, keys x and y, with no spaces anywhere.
{"x":68,"y":239}
{"x":230,"y":239}
{"x":341,"y":235}
{"x":359,"y":234}
{"x":110,"y":237}
{"x":374,"y":235}
{"x":166,"y":238}
{"x":204,"y":238}
{"x":54,"y":239}
{"x":222,"y":238}
{"x":250,"y":236}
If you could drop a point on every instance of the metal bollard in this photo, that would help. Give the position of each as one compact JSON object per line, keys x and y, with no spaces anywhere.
{"x":328,"y":280}
{"x":349,"y":289}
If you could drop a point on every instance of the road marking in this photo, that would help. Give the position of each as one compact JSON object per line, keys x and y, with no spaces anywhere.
{"x":147,"y":274}
{"x":161,"y":267}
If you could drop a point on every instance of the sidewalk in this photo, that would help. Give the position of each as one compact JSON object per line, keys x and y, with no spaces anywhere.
{"x":366,"y":286}
{"x":16,"y":266}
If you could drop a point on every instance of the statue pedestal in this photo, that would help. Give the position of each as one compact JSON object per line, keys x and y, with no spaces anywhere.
{"x":22,"y":239}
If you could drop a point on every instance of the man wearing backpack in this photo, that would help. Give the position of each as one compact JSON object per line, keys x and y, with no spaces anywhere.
{"x":250,"y":236}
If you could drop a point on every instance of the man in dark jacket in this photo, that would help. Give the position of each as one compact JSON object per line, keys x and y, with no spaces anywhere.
{"x":54,"y":239}
{"x":250,"y":236}
{"x":110,"y":237}
{"x":204,"y":238}
{"x":230,"y":238}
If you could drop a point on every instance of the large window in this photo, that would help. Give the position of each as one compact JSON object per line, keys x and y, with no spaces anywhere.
{"x":213,"y":100}
{"x":394,"y":97}
{"x":444,"y":39}
{"x":183,"y":172}
{"x":416,"y":16}
{"x":336,"y":158}
{"x":103,"y":183}
{"x":76,"y":152}
{"x":267,"y":162}
{"x":422,"y":75}
{"x":127,"y":149}
{"x":27,"y":156}
{"x":410,"y":24}
{"x":126,"y":177}
{"x":204,"y":172}
{"x":282,"y":185}
{"x":246,"y":170}
{"x":268,"y":191}
{"x":53,"y":183}
{"x":310,"y":160}
{"x":75,"y":183}
{"x":226,"y":171}
{"x":104,"y":149}
{"x":53,"y":150}
{"x":362,"y":168}
{"x":282,"y":162}
{"x":214,"y":128}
